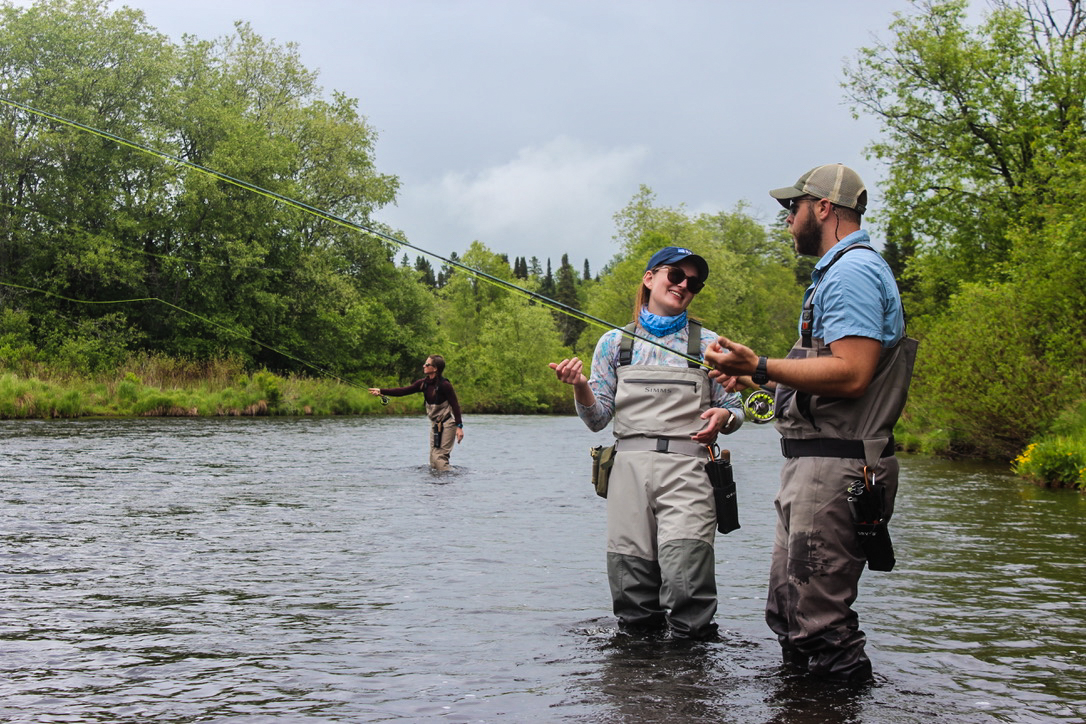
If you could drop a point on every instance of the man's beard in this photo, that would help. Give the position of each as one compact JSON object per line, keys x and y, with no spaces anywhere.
{"x":807,"y":236}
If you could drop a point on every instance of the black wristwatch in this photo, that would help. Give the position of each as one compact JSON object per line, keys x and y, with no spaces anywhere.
{"x":761,"y":376}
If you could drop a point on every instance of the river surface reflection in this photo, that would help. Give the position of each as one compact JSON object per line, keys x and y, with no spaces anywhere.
{"x":315,"y":570}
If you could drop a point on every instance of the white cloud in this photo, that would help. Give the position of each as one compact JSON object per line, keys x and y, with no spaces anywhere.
{"x":556,"y":198}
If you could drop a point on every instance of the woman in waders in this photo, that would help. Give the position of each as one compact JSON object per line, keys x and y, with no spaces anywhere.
{"x":442,"y":408}
{"x":661,"y":518}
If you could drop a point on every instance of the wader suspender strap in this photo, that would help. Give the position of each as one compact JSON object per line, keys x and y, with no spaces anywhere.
{"x":807,"y":317}
{"x":693,"y":343}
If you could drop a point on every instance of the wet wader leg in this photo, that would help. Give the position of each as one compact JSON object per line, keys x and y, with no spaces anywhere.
{"x":635,"y":592}
{"x":686,"y":527}
{"x":444,"y":437}
{"x":689,"y":587}
{"x":815,"y":572}
{"x":442,"y":434}
{"x":633,"y":572}
{"x":780,"y":605}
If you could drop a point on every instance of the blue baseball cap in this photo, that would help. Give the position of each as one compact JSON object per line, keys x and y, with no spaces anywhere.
{"x":673,"y":255}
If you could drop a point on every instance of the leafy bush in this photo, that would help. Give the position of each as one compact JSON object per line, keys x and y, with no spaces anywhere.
{"x":1057,"y":461}
{"x":91,"y":345}
{"x":981,"y":375}
{"x":16,"y":339}
{"x":270,"y":386}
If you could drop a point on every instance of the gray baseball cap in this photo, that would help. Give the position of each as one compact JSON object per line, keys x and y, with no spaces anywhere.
{"x":838,"y":184}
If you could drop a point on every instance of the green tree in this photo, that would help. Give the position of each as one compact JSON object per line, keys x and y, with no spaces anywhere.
{"x":85,"y":219}
{"x":547,"y":285}
{"x":422,"y":264}
{"x":498,"y":342}
{"x":974,"y":121}
{"x":59,"y":189}
{"x":750,"y":295}
{"x":565,"y":292}
{"x":984,"y":135}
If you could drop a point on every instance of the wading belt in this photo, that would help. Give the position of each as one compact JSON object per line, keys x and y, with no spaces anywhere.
{"x":661,"y":444}
{"x":829,"y":447}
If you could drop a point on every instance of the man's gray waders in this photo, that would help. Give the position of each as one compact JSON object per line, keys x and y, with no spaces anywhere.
{"x":442,"y":434}
{"x":817,"y":560}
{"x":660,"y":512}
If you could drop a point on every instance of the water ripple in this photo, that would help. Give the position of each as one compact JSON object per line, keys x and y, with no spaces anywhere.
{"x":316,"y":570}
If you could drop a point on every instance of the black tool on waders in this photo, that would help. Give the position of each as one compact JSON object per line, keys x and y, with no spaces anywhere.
{"x":867,"y":503}
{"x":439,"y":427}
{"x":719,"y":469}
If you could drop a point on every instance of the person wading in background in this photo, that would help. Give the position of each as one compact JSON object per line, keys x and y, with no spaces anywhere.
{"x":442,"y":407}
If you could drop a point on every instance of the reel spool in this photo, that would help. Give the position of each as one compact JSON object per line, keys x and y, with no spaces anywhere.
{"x":759,"y":406}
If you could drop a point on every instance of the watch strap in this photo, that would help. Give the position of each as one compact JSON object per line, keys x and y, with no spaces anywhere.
{"x":761,"y":375}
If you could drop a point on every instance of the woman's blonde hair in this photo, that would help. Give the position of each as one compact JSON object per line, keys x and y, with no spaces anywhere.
{"x":642,"y":299}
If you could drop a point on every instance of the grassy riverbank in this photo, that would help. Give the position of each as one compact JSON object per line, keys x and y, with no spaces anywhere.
{"x":159,"y":387}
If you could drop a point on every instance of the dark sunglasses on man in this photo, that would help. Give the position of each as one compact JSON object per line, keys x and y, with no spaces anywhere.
{"x":793,"y":207}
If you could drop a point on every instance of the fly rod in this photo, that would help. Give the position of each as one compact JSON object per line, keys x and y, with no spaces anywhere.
{"x":340,"y":221}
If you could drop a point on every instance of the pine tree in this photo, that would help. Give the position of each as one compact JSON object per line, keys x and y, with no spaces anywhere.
{"x":424,"y":266}
{"x":546,"y":287}
{"x":565,"y":292}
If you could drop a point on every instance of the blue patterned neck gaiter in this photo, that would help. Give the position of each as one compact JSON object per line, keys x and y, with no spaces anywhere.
{"x":661,"y":326}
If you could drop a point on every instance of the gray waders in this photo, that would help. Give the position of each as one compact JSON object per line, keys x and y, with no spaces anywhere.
{"x":442,"y":434}
{"x":661,"y":519}
{"x":817,"y":560}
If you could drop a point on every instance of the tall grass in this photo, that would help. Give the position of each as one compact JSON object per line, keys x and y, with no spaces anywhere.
{"x":153,"y":385}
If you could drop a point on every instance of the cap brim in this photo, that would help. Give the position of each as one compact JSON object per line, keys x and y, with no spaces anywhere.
{"x":701,"y":264}
{"x":783,"y":196}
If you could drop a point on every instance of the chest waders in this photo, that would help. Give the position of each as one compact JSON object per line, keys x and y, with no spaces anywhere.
{"x":442,"y":434}
{"x":817,"y":560}
{"x":661,"y":519}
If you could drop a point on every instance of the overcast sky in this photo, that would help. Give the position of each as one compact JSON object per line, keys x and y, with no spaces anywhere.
{"x":526,"y":124}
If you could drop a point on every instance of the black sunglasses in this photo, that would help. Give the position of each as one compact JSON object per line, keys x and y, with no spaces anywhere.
{"x":793,"y":207}
{"x":677,"y":276}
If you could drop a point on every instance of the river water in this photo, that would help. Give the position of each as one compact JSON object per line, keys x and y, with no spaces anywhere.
{"x":314,"y":570}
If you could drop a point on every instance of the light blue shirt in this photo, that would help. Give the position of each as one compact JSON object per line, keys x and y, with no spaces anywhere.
{"x":858,"y":296}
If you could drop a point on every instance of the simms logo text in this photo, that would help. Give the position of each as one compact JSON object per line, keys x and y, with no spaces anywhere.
{"x":665,"y":390}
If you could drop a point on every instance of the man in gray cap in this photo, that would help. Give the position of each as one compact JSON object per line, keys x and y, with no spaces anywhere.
{"x":838,"y":394}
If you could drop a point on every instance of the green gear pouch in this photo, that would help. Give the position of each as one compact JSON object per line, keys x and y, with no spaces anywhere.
{"x":602,"y":460}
